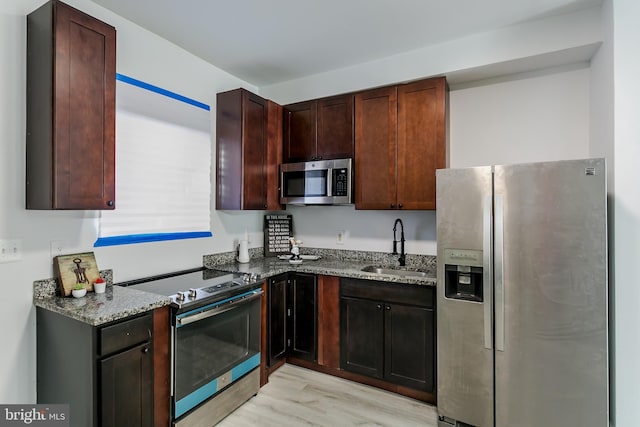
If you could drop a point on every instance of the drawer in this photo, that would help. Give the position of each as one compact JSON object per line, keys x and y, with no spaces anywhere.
{"x":402,"y":293}
{"x":125,"y":334}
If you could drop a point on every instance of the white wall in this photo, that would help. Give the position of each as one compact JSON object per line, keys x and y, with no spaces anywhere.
{"x":527,"y":117}
{"x":318,"y":226}
{"x":141,"y":55}
{"x":626,"y":226}
{"x":556,"y":40}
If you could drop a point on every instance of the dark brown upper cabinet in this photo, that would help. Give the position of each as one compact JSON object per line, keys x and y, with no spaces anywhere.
{"x":70,"y":144}
{"x":299,"y":121}
{"x":400,"y":141}
{"x":320,"y":129}
{"x":248,"y":151}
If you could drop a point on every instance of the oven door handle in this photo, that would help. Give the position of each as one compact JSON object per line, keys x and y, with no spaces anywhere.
{"x":217,"y":310}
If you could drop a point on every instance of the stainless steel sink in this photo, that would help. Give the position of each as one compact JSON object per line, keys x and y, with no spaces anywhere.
{"x":395,"y":271}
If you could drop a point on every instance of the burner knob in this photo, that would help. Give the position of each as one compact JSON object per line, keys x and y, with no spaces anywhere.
{"x":254,"y":277}
{"x":180,"y":296}
{"x":192,"y":293}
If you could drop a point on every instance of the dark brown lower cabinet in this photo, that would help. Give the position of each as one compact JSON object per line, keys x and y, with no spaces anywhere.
{"x":387,"y":332}
{"x":292,"y":317}
{"x":105,"y":373}
{"x":362,"y":344}
{"x":130,"y":375}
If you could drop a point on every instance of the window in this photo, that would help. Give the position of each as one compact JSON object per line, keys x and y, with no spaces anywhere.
{"x":163,"y":164}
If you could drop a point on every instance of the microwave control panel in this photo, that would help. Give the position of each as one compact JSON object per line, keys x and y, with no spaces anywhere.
{"x":340,"y":182}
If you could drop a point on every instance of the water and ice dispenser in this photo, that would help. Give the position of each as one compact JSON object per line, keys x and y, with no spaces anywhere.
{"x":463,"y":274}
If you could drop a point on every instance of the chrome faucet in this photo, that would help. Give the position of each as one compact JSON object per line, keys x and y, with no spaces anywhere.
{"x":395,"y":242}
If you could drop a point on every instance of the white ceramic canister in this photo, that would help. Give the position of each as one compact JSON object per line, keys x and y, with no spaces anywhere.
{"x":243,"y":251}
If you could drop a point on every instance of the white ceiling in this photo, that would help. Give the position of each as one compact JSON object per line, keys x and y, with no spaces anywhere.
{"x":270,"y":41}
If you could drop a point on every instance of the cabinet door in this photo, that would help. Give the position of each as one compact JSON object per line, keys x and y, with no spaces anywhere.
{"x":361,"y":337}
{"x":302,"y":335}
{"x":421,"y":142}
{"x":409,"y":346}
{"x":277,"y":318}
{"x":299,"y":132}
{"x":127,"y":388}
{"x":241,"y":151}
{"x":254,"y":151}
{"x":70,"y":110}
{"x":274,"y":156}
{"x":335,"y":127}
{"x":375,"y":149}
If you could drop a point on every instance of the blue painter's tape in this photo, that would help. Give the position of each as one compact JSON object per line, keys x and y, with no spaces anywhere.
{"x":156,"y":89}
{"x":146,"y":238}
{"x":198,"y":396}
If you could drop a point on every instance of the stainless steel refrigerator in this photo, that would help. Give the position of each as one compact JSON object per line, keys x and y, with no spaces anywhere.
{"x":522,"y":295}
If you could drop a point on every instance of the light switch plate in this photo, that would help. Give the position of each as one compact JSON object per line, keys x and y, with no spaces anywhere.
{"x":10,"y":250}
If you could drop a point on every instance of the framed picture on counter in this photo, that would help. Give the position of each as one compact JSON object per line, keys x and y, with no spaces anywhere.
{"x":75,"y":270}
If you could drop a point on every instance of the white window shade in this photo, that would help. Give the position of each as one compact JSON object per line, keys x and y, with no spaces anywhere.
{"x":163,"y":163}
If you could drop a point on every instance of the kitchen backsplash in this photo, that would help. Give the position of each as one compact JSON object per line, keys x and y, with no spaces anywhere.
{"x":419,"y":262}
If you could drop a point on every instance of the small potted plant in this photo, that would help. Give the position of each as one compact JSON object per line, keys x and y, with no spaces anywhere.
{"x":79,"y":290}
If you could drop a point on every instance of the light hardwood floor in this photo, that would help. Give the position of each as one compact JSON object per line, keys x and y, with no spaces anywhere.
{"x":297,"y":396}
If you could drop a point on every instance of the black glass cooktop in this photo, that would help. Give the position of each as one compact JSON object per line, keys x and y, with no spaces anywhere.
{"x":195,"y":286}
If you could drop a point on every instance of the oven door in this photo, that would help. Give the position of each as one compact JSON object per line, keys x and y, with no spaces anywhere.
{"x":213,"y":346}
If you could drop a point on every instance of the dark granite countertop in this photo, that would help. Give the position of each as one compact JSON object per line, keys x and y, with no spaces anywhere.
{"x":332,"y":266}
{"x":97,"y":309}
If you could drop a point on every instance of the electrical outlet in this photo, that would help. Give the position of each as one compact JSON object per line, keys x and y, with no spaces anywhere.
{"x":56,"y":247}
{"x":341,"y":237}
{"x":10,"y":250}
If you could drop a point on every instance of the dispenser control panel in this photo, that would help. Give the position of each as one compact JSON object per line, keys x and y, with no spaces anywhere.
{"x":463,"y":274}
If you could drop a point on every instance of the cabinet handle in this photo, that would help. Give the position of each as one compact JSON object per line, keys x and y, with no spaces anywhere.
{"x":400,"y":206}
{"x":378,"y":306}
{"x":110,"y":203}
{"x":388,"y":308}
{"x":392,"y":206}
{"x":145,"y":350}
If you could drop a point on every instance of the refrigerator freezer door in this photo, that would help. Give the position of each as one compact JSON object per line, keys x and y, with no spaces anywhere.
{"x":464,"y":327}
{"x":553,"y":369}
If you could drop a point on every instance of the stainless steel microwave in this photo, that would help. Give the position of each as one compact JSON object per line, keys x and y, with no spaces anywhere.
{"x":320,"y":182}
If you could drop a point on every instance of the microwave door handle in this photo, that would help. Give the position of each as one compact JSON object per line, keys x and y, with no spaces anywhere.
{"x":329,"y":182}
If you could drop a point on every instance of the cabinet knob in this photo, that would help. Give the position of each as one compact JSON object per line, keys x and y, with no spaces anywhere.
{"x":379,"y":306}
{"x":388,"y":308}
{"x":392,"y":206}
{"x":145,"y":350}
{"x":400,"y":206}
{"x":110,"y":203}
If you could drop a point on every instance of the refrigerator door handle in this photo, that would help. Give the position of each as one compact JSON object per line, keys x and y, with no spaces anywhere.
{"x":487,"y":236}
{"x":499,"y":271}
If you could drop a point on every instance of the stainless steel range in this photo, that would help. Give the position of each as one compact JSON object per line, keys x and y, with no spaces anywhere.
{"x":215,"y":341}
